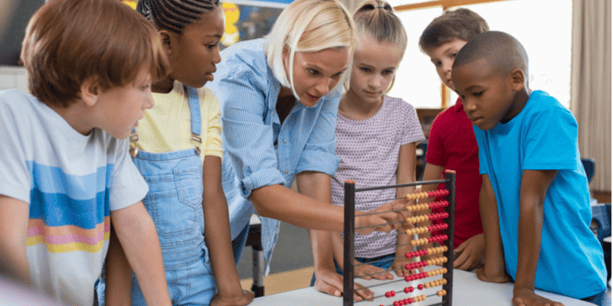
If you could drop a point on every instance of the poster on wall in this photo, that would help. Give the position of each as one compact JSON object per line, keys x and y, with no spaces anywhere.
{"x":247,"y":19}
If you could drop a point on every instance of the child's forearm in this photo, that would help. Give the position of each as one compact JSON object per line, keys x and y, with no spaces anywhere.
{"x":219,"y":242}
{"x":14,"y":216}
{"x":118,"y":284}
{"x":534,"y":188}
{"x":494,"y":254}
{"x":137,"y":234}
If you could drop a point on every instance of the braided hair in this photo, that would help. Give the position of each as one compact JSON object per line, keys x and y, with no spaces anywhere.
{"x":175,"y":15}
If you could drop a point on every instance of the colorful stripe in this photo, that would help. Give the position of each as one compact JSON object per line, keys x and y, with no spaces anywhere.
{"x":52,"y":180}
{"x":61,"y":210}
{"x":69,"y":238}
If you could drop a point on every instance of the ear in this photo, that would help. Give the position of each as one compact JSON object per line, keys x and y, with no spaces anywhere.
{"x":166,"y":41}
{"x":90,"y":91}
{"x":286,"y":57}
{"x":518,"y":79}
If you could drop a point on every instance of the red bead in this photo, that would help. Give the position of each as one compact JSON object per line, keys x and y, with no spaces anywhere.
{"x":393,"y":293}
{"x":388,"y":294}
{"x":420,"y":287}
{"x":410,"y":300}
{"x":411,"y":289}
{"x":406,"y":301}
{"x":396,"y":304}
{"x":407,"y":278}
{"x":406,"y":290}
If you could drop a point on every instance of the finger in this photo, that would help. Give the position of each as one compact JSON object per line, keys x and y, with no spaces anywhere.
{"x":460,"y":248}
{"x":360,"y":292}
{"x":460,"y":260}
{"x":330,"y":285}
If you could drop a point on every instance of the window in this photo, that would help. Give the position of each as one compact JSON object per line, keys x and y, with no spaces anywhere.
{"x":542,"y":26}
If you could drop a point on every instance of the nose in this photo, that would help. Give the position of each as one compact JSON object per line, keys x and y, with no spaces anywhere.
{"x":468,"y":105}
{"x":323,"y":86}
{"x":216,"y":57}
{"x":374,"y":82}
{"x":149,"y":101}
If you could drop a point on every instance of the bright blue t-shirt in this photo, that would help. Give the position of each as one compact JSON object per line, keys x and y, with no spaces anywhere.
{"x":543,"y":136}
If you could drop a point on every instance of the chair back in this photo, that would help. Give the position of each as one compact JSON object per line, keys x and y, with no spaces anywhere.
{"x":589,"y":166}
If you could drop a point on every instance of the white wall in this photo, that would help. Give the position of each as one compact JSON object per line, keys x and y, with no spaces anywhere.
{"x":13,"y":77}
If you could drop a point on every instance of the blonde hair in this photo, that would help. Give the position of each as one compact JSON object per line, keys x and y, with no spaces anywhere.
{"x":308,"y":26}
{"x":70,"y":41}
{"x":376,"y":18}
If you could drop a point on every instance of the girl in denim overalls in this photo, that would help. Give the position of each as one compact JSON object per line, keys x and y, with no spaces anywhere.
{"x":185,"y":196}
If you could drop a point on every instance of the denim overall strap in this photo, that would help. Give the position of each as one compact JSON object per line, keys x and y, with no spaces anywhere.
{"x":194,"y":112}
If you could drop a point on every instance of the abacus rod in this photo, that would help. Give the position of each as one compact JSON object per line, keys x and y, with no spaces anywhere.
{"x":450,"y":177}
{"x":348,"y":243}
{"x":383,"y":295}
{"x":402,"y":185}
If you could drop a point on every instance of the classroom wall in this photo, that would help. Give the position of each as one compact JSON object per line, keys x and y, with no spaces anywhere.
{"x":13,"y":77}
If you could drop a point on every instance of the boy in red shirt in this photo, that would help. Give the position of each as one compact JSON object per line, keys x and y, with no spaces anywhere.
{"x":452,"y":144}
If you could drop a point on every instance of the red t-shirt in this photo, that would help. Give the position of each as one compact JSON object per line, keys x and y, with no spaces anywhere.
{"x":453,"y":146}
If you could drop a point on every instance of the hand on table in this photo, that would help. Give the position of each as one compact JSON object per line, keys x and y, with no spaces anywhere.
{"x":244,"y":298}
{"x":469,"y":254}
{"x":527,"y":297}
{"x":330,"y":282}
{"x":366,"y":271}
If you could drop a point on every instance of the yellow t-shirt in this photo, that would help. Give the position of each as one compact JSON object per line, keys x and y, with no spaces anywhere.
{"x":166,"y":126}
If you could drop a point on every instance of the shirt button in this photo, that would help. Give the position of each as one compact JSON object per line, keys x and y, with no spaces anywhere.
{"x":284,"y":140}
{"x":285,"y":172}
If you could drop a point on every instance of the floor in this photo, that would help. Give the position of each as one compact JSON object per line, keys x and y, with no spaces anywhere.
{"x":292,"y":262}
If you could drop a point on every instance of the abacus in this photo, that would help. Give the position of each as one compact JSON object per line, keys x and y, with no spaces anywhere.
{"x":445,"y":240}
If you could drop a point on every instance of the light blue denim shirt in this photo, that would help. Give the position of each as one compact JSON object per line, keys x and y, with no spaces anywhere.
{"x":247,"y":91}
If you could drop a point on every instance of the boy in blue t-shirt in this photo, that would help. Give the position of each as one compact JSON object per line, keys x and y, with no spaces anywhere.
{"x":533,"y":180}
{"x":65,"y":171}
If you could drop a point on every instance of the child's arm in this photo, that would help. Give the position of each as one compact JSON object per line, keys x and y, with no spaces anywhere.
{"x":118,"y":283}
{"x":405,"y":174}
{"x":14,"y":216}
{"x":137,"y":234}
{"x":316,"y":185}
{"x":494,"y":270}
{"x":218,"y":239}
{"x":534,"y":186}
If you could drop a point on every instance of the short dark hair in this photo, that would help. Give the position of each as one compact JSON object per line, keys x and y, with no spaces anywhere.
{"x":502,"y":51}
{"x":175,"y":15}
{"x":70,"y":41}
{"x":460,"y":23}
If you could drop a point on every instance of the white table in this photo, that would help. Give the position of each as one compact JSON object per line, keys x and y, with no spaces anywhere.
{"x":467,"y":291}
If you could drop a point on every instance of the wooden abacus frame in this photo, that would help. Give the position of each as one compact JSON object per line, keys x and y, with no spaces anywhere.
{"x":349,"y":230}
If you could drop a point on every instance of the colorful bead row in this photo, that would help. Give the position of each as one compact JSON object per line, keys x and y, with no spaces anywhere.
{"x":436,"y":261}
{"x":425,"y":229}
{"x":430,"y":194}
{"x":427,"y":217}
{"x":427,"y":251}
{"x":418,"y":207}
{"x":441,"y":292}
{"x":425,"y":263}
{"x":417,"y":276}
{"x":412,"y":300}
{"x":436,"y":272}
{"x":429,"y":240}
{"x":438,"y":282}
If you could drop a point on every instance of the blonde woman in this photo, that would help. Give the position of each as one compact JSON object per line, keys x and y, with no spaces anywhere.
{"x":279,"y":98}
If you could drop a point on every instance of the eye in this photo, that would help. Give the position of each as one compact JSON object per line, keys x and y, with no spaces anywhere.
{"x":145,"y":87}
{"x":337,"y":75}
{"x":477,"y":94}
{"x":453,"y":55}
{"x":312,"y":71}
{"x":437,"y":64}
{"x":365,"y":69}
{"x":387,"y":72}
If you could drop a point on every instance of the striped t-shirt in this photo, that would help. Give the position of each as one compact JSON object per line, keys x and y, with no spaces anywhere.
{"x":368,"y":150}
{"x":71,"y":183}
